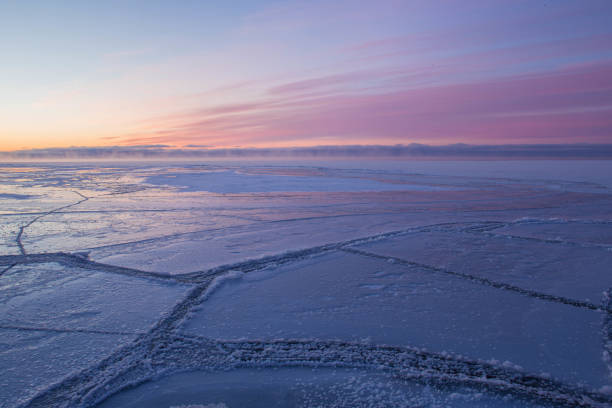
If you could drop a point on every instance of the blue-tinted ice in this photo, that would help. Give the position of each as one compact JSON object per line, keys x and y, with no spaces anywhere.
{"x":306,"y":284}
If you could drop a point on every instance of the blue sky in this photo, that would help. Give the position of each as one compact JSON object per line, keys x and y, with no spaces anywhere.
{"x":265,"y":74}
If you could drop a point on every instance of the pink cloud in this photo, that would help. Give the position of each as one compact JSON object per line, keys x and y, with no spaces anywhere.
{"x":566,"y":105}
{"x":324,"y":81}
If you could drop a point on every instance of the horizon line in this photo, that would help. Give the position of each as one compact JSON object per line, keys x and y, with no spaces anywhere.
{"x":591,"y":151}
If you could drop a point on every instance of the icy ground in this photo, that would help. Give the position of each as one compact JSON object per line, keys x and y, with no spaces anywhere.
{"x":306,"y":284}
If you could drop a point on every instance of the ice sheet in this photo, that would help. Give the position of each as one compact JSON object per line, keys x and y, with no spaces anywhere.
{"x":498,"y":269}
{"x":204,"y":250}
{"x":574,"y":272}
{"x":585,"y":232}
{"x":54,"y":296}
{"x":230,"y":181}
{"x":354,"y":298}
{"x":32,"y":361}
{"x":78,"y":231}
{"x":9,"y":228}
{"x":299,"y":388}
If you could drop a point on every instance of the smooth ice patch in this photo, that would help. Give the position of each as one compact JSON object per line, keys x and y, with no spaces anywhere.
{"x":203,"y":250}
{"x":31,"y":361}
{"x":574,"y":272}
{"x":108,"y":229}
{"x":57,"y":297}
{"x":230,"y":181}
{"x":354,"y":298}
{"x":562,"y":231}
{"x":299,"y":388}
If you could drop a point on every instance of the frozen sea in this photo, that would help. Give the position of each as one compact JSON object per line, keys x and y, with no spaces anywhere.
{"x":306,"y":284}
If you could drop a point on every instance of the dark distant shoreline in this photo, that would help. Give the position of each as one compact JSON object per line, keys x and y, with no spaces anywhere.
{"x":410,"y":151}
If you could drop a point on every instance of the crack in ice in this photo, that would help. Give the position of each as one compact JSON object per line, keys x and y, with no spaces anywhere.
{"x":480,"y":280}
{"x":63,"y":330}
{"x":32,"y":221}
{"x":163,"y":350}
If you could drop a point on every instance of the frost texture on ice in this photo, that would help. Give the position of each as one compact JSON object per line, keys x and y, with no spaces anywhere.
{"x":337,"y":284}
{"x":555,"y":268}
{"x":300,"y":388}
{"x":593,"y":233}
{"x":32,"y":361}
{"x":247,"y":182}
{"x":204,"y":250}
{"x":52,"y":295}
{"x":347,"y":297}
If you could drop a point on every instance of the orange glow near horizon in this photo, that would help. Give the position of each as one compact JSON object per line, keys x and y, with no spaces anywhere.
{"x":269,"y":76}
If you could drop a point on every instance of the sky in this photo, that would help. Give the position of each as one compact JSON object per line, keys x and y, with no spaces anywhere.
{"x":267,"y":74}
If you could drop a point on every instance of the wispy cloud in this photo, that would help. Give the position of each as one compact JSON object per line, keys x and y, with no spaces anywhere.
{"x":552,"y":106}
{"x":310,"y":73}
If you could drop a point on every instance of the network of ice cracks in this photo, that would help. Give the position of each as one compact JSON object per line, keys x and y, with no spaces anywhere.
{"x":164,"y":348}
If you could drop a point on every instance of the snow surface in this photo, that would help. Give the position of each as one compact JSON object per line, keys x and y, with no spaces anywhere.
{"x":339,"y":283}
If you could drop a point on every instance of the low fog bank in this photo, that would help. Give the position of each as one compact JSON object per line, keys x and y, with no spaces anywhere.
{"x":416,"y":151}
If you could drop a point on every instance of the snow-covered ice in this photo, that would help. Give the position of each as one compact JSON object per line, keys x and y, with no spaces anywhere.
{"x":57,"y":319}
{"x":352,"y":298}
{"x":33,"y":361}
{"x":201,"y":250}
{"x":72,"y":298}
{"x":340,"y":284}
{"x":232,"y":181}
{"x":554,"y":268}
{"x":295,"y":387}
{"x":571,"y":232}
